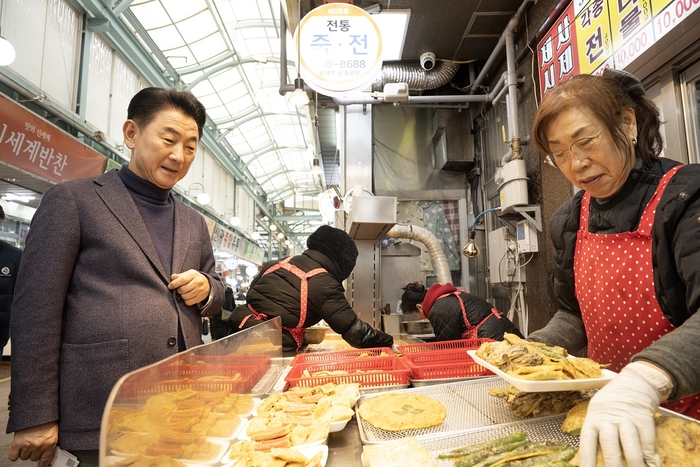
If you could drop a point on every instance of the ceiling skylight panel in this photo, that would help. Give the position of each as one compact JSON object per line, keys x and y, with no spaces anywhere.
{"x":150,"y":14}
{"x":231,"y":93}
{"x":203,"y":88}
{"x":211,"y":101}
{"x":209,"y":47}
{"x":180,"y":57}
{"x":225,"y":78}
{"x":190,"y":77}
{"x":240,"y":105}
{"x":242,"y":9}
{"x":197,"y":27}
{"x":217,"y":113}
{"x":236,"y":139}
{"x":167,"y":37}
{"x":180,"y":10}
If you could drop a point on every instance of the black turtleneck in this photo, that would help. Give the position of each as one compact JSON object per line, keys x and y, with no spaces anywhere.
{"x":157,"y":210}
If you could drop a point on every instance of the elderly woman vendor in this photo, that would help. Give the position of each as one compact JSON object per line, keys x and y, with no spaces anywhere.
{"x":626,"y":260}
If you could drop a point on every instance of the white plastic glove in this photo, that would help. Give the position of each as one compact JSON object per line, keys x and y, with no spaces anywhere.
{"x":621,"y":415}
{"x":395,"y":348}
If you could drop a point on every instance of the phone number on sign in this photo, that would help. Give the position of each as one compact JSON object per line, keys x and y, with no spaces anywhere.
{"x":340,"y":64}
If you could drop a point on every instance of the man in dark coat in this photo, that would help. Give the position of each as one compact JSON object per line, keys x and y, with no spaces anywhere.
{"x":116,"y":275}
{"x":10,"y":257}
{"x":276,"y":291}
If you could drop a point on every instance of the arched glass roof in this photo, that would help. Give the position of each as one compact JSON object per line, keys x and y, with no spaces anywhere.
{"x":228,"y":54}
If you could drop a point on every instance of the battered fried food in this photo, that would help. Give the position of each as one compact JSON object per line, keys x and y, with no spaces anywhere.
{"x":538,"y":404}
{"x":536,"y":361}
{"x":677,"y":441}
{"x":404,"y":452}
{"x":398,"y":412}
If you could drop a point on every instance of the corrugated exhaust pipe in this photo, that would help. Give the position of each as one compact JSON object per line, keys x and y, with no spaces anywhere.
{"x":437,"y":254}
{"x":417,"y":78}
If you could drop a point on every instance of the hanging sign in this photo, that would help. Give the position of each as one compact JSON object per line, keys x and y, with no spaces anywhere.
{"x":340,"y":47}
{"x":32,"y":144}
{"x":591,"y":35}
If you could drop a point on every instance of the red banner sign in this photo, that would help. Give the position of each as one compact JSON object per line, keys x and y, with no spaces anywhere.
{"x":34,"y":145}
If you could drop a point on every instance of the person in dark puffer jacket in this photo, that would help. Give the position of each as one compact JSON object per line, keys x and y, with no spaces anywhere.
{"x":441,"y":305}
{"x":276,"y":291}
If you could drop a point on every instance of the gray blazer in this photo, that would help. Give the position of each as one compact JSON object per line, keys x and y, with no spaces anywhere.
{"x":92,"y":303}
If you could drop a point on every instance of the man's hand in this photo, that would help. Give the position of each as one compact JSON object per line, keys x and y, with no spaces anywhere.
{"x":191,"y":285}
{"x":620,"y":418}
{"x":36,"y":444}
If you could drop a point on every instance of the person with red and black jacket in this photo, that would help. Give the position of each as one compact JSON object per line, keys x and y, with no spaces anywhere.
{"x":305,"y":289}
{"x":456,"y":314}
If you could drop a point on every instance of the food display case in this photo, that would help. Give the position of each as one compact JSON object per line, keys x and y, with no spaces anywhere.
{"x":192,"y":406}
{"x":202,"y":407}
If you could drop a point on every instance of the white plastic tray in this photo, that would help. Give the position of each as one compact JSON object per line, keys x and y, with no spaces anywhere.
{"x":308,"y":451}
{"x":222,"y":445}
{"x":549,"y":385}
{"x":242,"y":436}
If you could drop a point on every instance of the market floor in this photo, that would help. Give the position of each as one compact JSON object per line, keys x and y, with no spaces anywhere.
{"x":6,"y":440}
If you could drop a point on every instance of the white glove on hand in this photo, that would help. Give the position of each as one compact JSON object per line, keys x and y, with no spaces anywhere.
{"x":620,"y":415}
{"x":395,"y":349}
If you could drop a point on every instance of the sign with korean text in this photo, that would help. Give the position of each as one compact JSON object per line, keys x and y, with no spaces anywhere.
{"x":340,"y":49}
{"x":231,"y":242}
{"x":34,"y":145}
{"x":592,"y":35}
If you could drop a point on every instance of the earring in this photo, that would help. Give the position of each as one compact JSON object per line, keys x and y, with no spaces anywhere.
{"x":634,"y":140}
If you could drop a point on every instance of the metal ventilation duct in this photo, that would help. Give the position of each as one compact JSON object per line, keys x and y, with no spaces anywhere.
{"x":417,"y":78}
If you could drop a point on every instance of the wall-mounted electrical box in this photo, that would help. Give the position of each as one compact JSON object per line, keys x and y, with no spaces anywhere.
{"x":526,"y":237}
{"x":503,"y":258}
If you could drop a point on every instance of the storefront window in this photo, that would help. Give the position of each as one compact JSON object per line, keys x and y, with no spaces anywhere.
{"x":691,"y":99}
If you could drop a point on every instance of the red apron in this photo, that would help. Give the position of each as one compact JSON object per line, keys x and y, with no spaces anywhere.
{"x":614,"y":285}
{"x":298,"y":331}
{"x":471,"y":331}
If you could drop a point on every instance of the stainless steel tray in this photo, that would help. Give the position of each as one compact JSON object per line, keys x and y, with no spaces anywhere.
{"x":417,"y":383}
{"x":468,"y":406}
{"x":537,"y":429}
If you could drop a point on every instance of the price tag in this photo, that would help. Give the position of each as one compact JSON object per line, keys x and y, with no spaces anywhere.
{"x":340,"y":47}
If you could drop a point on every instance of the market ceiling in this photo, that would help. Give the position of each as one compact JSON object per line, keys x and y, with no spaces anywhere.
{"x":228,"y":53}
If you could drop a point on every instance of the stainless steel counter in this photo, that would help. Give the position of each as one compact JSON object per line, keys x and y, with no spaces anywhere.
{"x":345,"y":447}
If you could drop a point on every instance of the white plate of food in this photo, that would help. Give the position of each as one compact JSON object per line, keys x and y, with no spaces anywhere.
{"x":338,"y":426}
{"x":244,"y":414}
{"x":308,"y":451}
{"x":218,"y":448}
{"x":118,"y":461}
{"x":528,"y":385}
{"x":243,"y":436}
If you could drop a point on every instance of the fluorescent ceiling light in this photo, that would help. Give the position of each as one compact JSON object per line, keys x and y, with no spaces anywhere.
{"x":392,"y":25}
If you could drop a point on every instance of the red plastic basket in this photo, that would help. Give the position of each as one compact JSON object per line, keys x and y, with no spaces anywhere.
{"x":342,"y":355}
{"x":374,"y":372}
{"x":465,"y":344}
{"x":443,"y":364}
{"x":234,"y":377}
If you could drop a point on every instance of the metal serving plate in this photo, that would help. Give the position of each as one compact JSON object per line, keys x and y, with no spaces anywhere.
{"x":468,"y":406}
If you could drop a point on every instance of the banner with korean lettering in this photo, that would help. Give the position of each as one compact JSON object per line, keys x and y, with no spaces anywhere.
{"x":231,"y":242}
{"x":35,"y":145}
{"x":605,"y":33}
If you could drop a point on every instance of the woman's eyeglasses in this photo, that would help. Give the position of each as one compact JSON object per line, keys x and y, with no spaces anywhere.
{"x":581,"y":149}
